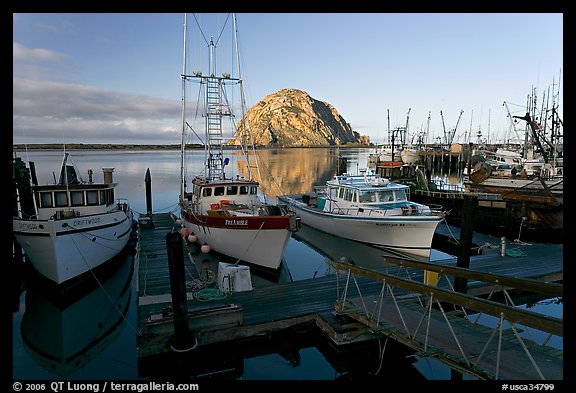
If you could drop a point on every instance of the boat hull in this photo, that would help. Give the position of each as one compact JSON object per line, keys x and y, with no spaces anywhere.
{"x":258,"y":240}
{"x":61,"y":250}
{"x":406,"y":234}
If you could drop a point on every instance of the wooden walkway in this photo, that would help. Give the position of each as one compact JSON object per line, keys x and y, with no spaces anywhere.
{"x":470,"y":347}
{"x":270,"y":308}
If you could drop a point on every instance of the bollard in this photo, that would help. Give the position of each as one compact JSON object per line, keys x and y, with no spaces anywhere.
{"x":183,"y":340}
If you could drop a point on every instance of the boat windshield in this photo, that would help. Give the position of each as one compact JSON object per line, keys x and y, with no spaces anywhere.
{"x":367,"y":196}
{"x":400,"y":195}
{"x":386,"y":196}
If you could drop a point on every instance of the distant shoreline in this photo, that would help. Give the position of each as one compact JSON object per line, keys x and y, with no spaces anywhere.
{"x":110,"y":146}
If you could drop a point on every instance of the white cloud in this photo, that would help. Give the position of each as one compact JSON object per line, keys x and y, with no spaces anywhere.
{"x":45,"y":112}
{"x":21,"y":53}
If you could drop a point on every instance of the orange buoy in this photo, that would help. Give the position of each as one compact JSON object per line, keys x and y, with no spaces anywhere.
{"x":184,"y":232}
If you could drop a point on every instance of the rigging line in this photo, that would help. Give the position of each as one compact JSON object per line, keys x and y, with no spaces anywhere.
{"x":271,"y":176}
{"x":222,"y":31}
{"x":250,"y":245}
{"x":102,"y":287}
{"x":200,"y":28}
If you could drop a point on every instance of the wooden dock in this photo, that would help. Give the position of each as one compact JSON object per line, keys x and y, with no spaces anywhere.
{"x":274,"y":308}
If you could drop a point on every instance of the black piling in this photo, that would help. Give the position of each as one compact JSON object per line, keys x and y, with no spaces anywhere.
{"x":342,"y":165}
{"x":22,"y":189}
{"x":148,"y":181}
{"x":466,"y":231}
{"x":183,"y":340}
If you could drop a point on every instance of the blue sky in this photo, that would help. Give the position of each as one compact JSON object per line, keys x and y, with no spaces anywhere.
{"x":115,"y":78}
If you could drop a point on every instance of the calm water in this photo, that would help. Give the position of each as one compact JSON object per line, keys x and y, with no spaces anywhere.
{"x":87,"y":338}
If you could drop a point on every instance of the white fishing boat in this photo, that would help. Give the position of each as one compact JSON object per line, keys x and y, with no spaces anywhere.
{"x":229,"y":215}
{"x":68,"y":228}
{"x":369,"y":209}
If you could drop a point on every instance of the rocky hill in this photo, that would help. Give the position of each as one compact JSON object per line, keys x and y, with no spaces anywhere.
{"x":291,"y":118}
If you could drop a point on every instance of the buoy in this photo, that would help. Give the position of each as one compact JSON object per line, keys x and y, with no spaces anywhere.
{"x":184,"y":232}
{"x":192,"y":237}
{"x":205,"y":248}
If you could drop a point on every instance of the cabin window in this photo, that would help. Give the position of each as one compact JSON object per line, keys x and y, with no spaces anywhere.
{"x":107,"y":197}
{"x":206,"y":192}
{"x":400,"y":195}
{"x":386,"y":196}
{"x":367,"y":197}
{"x":232,"y":190}
{"x":243,"y":190}
{"x":333,"y":193}
{"x":218,"y":191}
{"x":61,"y":198}
{"x":253,"y":190}
{"x":46,"y":199}
{"x":77,"y":198}
{"x":91,"y":198}
{"x":341,"y":193}
{"x":349,"y":194}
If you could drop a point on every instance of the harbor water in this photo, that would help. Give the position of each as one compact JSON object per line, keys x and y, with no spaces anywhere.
{"x":92,"y":335}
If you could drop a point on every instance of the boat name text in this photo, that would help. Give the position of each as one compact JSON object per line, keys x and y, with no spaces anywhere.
{"x":395,"y":224}
{"x":27,"y":226}
{"x":86,"y":221}
{"x":236,"y":222}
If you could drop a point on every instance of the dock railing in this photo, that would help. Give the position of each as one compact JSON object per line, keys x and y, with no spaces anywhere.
{"x":404,"y":306}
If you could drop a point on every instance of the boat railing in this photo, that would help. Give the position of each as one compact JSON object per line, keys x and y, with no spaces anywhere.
{"x":436,"y":209}
{"x":485,"y":196}
{"x":123,"y":205}
{"x":368,"y":212}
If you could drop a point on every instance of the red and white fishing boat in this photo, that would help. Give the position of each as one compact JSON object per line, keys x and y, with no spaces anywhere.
{"x":228,"y":215}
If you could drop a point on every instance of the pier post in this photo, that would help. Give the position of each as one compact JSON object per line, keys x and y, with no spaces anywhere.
{"x":466,"y":232}
{"x":148,"y":181}
{"x":183,"y":339}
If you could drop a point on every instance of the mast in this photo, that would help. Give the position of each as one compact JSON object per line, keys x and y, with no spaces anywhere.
{"x":183,"y":136}
{"x":245,"y":120}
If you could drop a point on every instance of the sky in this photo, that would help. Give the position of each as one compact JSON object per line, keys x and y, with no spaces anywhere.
{"x":116,"y":77}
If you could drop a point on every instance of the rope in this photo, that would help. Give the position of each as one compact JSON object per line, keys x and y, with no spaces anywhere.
{"x":208,"y":294}
{"x":199,"y":284}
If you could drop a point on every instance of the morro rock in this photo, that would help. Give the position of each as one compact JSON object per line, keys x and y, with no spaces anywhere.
{"x":290,"y":117}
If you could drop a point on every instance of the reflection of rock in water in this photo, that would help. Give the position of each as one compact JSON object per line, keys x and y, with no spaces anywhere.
{"x":63,"y":333}
{"x":295,"y":170}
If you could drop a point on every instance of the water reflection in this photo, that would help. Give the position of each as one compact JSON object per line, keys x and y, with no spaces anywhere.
{"x":288,"y":171}
{"x":356,"y":253}
{"x":63,"y":332}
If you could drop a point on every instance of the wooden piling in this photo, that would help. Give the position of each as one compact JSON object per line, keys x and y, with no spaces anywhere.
{"x":466,"y":233}
{"x":148,"y":181}
{"x":183,"y":339}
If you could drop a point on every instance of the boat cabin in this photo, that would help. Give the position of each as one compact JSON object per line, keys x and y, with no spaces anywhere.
{"x":215,"y":196}
{"x":67,"y":201}
{"x":370,"y":190}
{"x":73,"y":197}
